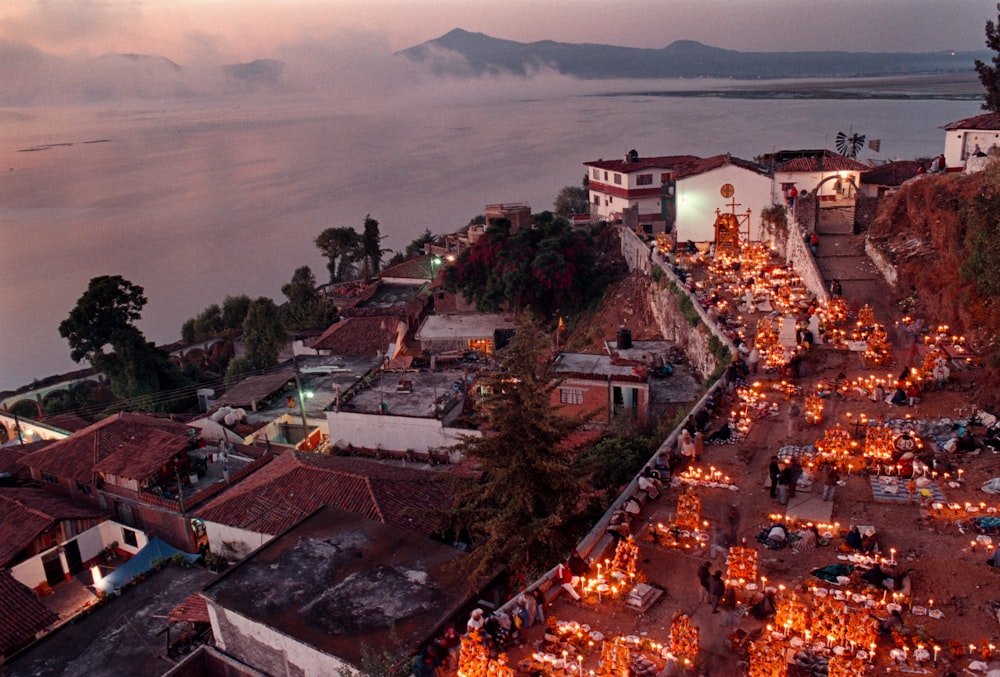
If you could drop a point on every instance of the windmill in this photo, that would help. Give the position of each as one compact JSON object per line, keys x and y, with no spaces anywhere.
{"x":849,"y":144}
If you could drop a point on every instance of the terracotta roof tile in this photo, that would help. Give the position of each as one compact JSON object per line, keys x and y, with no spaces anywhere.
{"x":986,"y":121}
{"x":892,"y":173}
{"x":358,"y":336}
{"x":659,"y":162}
{"x":702,"y":165}
{"x":25,"y":513}
{"x":296,"y":483}
{"x":194,"y":609}
{"x":829,"y":162}
{"x":78,"y":456}
{"x":22,"y":616}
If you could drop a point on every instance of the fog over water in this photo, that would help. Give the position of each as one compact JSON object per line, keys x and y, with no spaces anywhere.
{"x":224,"y":195}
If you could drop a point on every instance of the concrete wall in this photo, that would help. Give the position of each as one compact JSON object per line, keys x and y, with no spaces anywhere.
{"x":392,"y":433}
{"x":798,"y":253}
{"x":242,"y":541}
{"x":269,"y":650}
{"x":882,"y":264}
{"x":635,"y":250}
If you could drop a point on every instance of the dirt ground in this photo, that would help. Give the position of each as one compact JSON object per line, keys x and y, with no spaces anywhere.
{"x":935,"y":545}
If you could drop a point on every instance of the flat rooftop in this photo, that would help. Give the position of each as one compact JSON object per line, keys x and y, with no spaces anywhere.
{"x":461,"y":326}
{"x":427,"y":394}
{"x":640,"y":350}
{"x":586,"y":363}
{"x":321,"y":376}
{"x":339,"y":583}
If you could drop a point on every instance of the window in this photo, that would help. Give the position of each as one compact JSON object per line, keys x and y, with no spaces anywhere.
{"x":571,"y":395}
{"x":597,"y":199}
{"x":129,"y":538}
{"x":605,"y":176}
{"x":644,"y":180}
{"x":618,"y":179}
{"x":51,"y":479}
{"x":597,"y":174}
{"x":665,"y":177}
{"x":83,"y":488}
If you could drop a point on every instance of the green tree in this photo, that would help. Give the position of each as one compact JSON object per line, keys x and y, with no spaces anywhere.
{"x":371,"y":248}
{"x":237,"y":369}
{"x":342,"y":249}
{"x":529,"y":490}
{"x":106,"y":310}
{"x":207,"y":324}
{"x":263,"y":333}
{"x":234,"y":311}
{"x":306,"y":309}
{"x":572,"y":200}
{"x":989,"y":75}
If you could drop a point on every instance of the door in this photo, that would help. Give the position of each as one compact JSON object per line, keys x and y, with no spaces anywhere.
{"x":53,"y":567}
{"x":73,"y":559}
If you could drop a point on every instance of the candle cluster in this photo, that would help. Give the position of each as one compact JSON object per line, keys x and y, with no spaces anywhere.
{"x":474,"y":659}
{"x":683,"y":638}
{"x":836,"y":446}
{"x":767,"y":659}
{"x":688,"y":515}
{"x":712,"y":477}
{"x":741,"y":565}
{"x":814,"y":409}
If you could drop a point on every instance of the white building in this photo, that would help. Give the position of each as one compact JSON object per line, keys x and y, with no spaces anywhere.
{"x":722,"y":183}
{"x":646,"y":183}
{"x":962,"y":137}
{"x":832,"y":177}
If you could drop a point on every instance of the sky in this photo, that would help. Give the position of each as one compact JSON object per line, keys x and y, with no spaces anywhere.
{"x":228,"y":31}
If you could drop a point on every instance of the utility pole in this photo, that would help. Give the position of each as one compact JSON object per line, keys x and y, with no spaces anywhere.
{"x":302,"y":404}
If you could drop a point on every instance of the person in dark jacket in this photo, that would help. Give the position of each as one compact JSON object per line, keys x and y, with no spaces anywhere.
{"x":716,"y":590}
{"x":705,"y":573}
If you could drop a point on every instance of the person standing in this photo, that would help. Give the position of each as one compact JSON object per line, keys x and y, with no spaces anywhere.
{"x":716,"y":590}
{"x":830,"y":480}
{"x":773,"y":471}
{"x":704,"y":574}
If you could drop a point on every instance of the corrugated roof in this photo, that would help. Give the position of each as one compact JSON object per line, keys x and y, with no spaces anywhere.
{"x":986,"y":121}
{"x":296,"y":483}
{"x":76,"y":457}
{"x":26,"y":513}
{"x":250,"y":391}
{"x":22,"y":616}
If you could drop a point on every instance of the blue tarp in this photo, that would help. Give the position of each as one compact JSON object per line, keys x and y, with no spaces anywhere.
{"x":154,"y":552}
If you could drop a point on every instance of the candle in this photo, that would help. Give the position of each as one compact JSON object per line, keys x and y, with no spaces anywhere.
{"x":937,"y":650}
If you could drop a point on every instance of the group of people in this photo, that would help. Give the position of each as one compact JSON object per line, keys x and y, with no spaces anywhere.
{"x":712,"y":586}
{"x":784,"y":478}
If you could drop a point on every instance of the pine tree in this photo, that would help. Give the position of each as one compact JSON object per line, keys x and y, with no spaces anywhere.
{"x":529,"y":489}
{"x":990,"y":75}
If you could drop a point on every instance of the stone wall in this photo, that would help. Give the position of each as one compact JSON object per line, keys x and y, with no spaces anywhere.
{"x":635,"y":250}
{"x":864,"y":211}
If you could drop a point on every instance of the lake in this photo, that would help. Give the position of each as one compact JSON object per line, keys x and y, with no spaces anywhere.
{"x":195,"y":201}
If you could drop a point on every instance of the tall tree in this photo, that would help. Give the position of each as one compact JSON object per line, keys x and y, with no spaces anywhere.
{"x":103,"y":317}
{"x":528,"y":491}
{"x":263,"y":333}
{"x":306,"y":309}
{"x":341,"y":247}
{"x":990,"y":75}
{"x":572,"y":200}
{"x":234,"y":311}
{"x":371,"y":247}
{"x":106,"y":310}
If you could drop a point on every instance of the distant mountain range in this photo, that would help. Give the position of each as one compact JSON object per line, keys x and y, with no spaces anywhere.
{"x":485,"y":55}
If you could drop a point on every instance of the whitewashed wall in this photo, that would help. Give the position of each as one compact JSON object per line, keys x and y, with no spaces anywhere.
{"x":243,"y":541}
{"x":392,"y":433}
{"x":698,"y":197}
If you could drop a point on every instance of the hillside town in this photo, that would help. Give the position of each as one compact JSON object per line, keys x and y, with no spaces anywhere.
{"x":820,"y":498}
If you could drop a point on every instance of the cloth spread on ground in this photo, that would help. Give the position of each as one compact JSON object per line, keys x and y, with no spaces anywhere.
{"x":832,"y":572}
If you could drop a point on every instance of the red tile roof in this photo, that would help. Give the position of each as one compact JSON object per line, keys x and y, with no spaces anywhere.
{"x":702,"y":165}
{"x":359,"y":336}
{"x":22,"y":616}
{"x":829,"y":162}
{"x":10,"y":457}
{"x":297,"y":483}
{"x":659,"y":162}
{"x":892,"y":173}
{"x":25,"y":513}
{"x":986,"y":121}
{"x":127,"y":437}
{"x":194,"y":609}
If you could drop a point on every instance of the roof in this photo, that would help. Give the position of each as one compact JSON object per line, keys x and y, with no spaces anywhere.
{"x":194,"y":609}
{"x":467,"y":326}
{"x":123,"y":435}
{"x":659,"y":162}
{"x":703,"y":165}
{"x":416,"y":268}
{"x":892,"y":173}
{"x":25,"y":513}
{"x":339,"y":583}
{"x":593,"y":365}
{"x":11,"y":457}
{"x":359,"y":335}
{"x":828,"y":162}
{"x":250,"y":391}
{"x":986,"y":121}
{"x":22,"y":616}
{"x":296,"y":483}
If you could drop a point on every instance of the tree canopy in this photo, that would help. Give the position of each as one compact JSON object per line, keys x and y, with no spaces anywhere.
{"x":989,"y":75}
{"x":263,"y":333}
{"x":340,"y":246}
{"x":529,"y":489}
{"x":103,"y":313}
{"x":572,"y":200}
{"x":547,"y":267}
{"x":371,"y":248}
{"x":306,"y":309}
